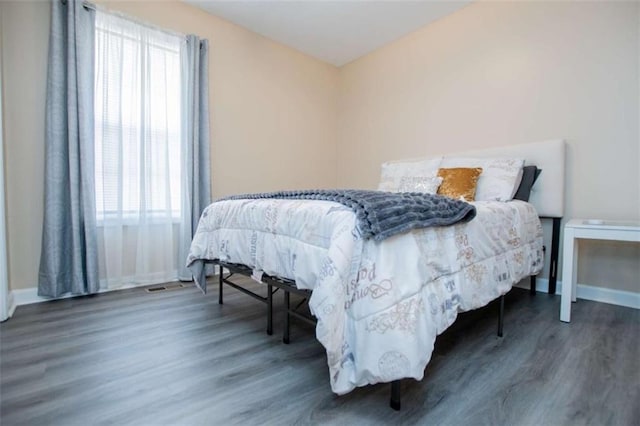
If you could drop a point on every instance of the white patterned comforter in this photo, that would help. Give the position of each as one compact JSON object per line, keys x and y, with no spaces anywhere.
{"x":379,"y":305}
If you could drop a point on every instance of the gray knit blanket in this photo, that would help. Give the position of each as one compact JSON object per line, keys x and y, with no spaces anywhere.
{"x":383,"y":214}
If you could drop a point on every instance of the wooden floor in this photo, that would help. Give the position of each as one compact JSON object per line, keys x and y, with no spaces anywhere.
{"x":177,"y":357}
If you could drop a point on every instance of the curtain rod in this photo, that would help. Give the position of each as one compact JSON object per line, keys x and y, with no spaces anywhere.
{"x":91,"y":6}
{"x":85,"y":4}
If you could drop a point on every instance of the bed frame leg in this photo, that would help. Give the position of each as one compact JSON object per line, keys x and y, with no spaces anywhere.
{"x":269,"y":309}
{"x":555,"y":245}
{"x":501,"y":316}
{"x":532,"y":291}
{"x":285,"y":332}
{"x":396,"y":393}
{"x":220,"y":284}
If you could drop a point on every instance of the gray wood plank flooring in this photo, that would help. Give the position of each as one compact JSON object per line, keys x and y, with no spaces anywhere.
{"x":177,"y":357}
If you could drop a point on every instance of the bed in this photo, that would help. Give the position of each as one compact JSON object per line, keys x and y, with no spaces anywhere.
{"x":379,"y":304}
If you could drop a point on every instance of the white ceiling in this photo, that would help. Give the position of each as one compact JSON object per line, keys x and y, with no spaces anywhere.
{"x":336,"y":32}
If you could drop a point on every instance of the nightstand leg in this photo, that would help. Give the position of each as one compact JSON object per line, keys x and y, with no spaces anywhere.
{"x":569,"y":262}
{"x":574,"y":268}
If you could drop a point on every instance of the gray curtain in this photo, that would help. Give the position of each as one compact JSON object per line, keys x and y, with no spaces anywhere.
{"x":68,"y":261}
{"x":196,"y":127}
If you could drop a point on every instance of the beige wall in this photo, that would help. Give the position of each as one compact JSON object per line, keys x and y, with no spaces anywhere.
{"x":490,"y":74}
{"x":25,"y":29}
{"x":273,"y":114}
{"x":498,"y":73}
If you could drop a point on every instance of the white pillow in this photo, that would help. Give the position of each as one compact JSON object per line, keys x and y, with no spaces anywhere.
{"x":393,"y":172}
{"x":427,"y":185}
{"x":500,"y":177}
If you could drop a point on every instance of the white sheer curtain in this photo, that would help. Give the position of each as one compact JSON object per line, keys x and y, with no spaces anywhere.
{"x":139,"y":152}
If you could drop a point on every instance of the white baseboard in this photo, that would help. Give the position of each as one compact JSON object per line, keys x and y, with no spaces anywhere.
{"x":629,"y":299}
{"x":27,"y":296}
{"x":606,"y":295}
{"x":588,"y":292}
{"x":11,"y":304}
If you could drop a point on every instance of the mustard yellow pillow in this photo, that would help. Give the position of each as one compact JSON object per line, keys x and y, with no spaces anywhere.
{"x":459,"y":183}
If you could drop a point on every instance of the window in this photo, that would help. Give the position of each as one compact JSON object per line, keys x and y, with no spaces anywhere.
{"x":138,"y":134}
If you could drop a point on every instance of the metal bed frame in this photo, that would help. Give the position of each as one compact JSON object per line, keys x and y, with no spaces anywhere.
{"x":288,"y":286}
{"x":548,"y":199}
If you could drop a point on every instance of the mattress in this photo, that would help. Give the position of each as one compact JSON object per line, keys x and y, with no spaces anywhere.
{"x":379,"y":305}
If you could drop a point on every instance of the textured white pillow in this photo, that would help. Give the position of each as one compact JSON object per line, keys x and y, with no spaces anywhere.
{"x":427,"y":185}
{"x":393,"y":172}
{"x":500,"y":177}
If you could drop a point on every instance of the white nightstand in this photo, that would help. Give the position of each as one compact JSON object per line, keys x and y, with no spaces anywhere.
{"x":593,"y":230}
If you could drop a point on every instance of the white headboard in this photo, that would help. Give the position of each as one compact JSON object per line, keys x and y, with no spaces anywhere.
{"x":547,"y":194}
